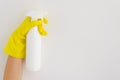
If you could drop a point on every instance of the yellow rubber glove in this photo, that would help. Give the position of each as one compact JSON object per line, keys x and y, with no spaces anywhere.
{"x":16,"y":46}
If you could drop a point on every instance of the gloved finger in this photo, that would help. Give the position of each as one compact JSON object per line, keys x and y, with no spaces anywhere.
{"x":45,"y":20}
{"x":28,"y":19}
{"x":42,"y":31}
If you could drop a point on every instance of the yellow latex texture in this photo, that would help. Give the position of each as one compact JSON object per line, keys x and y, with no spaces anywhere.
{"x":16,"y":46}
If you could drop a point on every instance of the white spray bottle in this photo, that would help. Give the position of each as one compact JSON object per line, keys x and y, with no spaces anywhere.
{"x":33,"y":44}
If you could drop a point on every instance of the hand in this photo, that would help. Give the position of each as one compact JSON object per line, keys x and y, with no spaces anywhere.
{"x":17,"y":42}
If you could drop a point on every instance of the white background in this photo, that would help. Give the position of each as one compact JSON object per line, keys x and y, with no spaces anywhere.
{"x":83,"y":41}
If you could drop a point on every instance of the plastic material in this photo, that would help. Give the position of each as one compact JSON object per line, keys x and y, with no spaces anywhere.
{"x":33,"y":50}
{"x":33,"y":42}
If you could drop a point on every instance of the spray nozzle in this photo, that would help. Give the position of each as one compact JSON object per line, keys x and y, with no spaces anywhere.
{"x":39,"y":19}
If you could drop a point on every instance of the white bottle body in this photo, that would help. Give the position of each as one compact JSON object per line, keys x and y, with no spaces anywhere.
{"x":33,"y":50}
